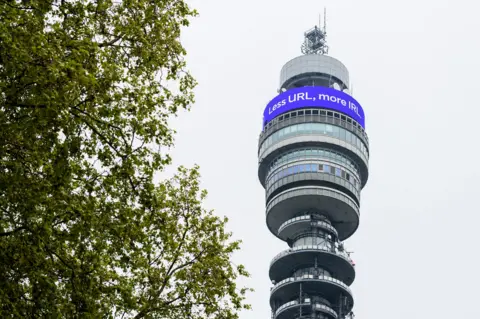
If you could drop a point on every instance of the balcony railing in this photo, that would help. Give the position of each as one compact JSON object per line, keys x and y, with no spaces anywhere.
{"x":316,"y":306}
{"x":336,"y":251}
{"x":310,"y":276}
{"x":317,"y":223}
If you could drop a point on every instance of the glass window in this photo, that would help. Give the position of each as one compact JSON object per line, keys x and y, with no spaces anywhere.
{"x":329,"y":129}
{"x":308,"y":241}
{"x":310,"y":167}
{"x":336,"y":131}
{"x":319,"y":128}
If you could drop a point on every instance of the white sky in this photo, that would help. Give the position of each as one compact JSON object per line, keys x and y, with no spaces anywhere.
{"x":414,"y":67}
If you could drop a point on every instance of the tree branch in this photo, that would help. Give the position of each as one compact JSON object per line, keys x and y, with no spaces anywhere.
{"x":111,"y":42}
{"x":8,"y":233}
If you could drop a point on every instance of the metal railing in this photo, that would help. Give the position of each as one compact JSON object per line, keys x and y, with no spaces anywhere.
{"x":315,"y":306}
{"x":310,"y":276}
{"x":318,"y":223}
{"x":338,"y":252}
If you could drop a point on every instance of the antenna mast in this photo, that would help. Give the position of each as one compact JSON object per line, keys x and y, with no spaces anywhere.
{"x":315,"y":39}
{"x":324,"y":21}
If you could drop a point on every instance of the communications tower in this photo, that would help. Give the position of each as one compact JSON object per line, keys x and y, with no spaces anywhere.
{"x":313,"y":163}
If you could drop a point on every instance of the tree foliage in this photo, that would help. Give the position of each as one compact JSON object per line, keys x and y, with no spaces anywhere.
{"x":86,"y":91}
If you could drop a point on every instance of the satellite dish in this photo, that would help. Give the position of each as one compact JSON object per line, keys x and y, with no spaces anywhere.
{"x":346,"y":91}
{"x":336,"y":86}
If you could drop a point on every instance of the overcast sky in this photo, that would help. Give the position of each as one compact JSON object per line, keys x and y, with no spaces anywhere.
{"x":414,"y":66}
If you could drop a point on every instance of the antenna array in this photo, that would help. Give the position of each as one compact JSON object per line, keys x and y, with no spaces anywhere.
{"x":315,"y":39}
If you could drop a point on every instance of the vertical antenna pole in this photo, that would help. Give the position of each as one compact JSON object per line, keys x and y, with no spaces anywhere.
{"x":324,"y":20}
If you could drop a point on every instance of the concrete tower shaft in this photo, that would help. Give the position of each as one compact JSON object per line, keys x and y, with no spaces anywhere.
{"x":313,"y":164}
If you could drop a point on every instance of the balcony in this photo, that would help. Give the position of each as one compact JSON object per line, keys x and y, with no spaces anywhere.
{"x":335,"y":260}
{"x":329,"y":287}
{"x":341,"y":210}
{"x":294,"y":225}
{"x":292,"y":309}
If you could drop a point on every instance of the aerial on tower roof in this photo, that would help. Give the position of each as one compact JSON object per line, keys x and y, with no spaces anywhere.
{"x":316,"y":38}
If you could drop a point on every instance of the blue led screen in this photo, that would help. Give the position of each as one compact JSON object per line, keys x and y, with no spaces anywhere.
{"x":314,"y":96}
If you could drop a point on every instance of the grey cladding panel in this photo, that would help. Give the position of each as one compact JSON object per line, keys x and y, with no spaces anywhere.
{"x":314,"y":63}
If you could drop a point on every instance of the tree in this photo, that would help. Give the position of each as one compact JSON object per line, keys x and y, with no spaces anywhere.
{"x":86,"y":91}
